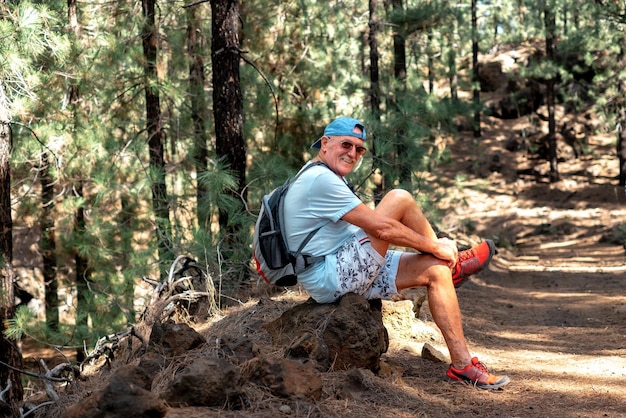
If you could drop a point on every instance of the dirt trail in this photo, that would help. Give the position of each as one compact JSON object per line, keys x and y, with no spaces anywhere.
{"x":551,"y":310}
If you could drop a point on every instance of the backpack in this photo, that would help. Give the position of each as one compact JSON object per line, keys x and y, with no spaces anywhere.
{"x":275,"y":263}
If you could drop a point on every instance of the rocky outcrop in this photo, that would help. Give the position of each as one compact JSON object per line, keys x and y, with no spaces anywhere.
{"x":344,"y":335}
{"x":180,"y":368}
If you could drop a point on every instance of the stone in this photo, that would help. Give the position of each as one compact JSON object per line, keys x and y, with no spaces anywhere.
{"x":337,"y":336}
{"x":285,"y":377}
{"x":205,"y":382}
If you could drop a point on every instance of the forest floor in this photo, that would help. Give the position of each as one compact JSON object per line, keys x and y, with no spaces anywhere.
{"x":550,"y":311}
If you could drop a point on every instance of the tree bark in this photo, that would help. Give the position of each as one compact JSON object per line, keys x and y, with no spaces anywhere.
{"x":81,"y":262}
{"x":399,"y":72}
{"x":452,"y":72}
{"x":230,"y":145}
{"x":9,"y":352}
{"x":195,"y":45}
{"x":431,"y":61}
{"x":550,"y":25}
{"x":47,"y":244}
{"x":156,"y":136}
{"x":475,"y":82}
{"x":374,"y":94}
{"x":228,"y":104}
{"x":83,"y":270}
{"x":621,"y":124}
{"x":374,"y":71}
{"x":399,"y":46}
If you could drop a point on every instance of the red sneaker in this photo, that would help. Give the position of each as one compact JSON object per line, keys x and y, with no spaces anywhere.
{"x":476,"y":374}
{"x":472,"y":261}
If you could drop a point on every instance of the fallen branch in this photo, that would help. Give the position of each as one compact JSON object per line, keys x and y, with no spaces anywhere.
{"x":105,"y":346}
{"x":30,"y":411}
{"x":5,"y":391}
{"x":186,"y":281}
{"x":37,"y":375}
{"x":52,"y":394}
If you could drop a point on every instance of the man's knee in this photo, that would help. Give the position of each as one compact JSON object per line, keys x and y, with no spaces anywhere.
{"x":439,"y":272}
{"x":399,"y":195}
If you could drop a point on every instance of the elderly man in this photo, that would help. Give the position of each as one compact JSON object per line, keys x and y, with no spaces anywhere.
{"x":355,"y":240}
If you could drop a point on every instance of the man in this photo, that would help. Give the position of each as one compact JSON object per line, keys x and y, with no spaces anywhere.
{"x":355,"y":243}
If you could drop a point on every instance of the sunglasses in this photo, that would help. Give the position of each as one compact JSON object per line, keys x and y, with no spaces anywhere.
{"x":347,"y":146}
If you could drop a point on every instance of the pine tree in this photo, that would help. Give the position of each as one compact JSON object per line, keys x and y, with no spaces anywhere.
{"x":10,"y":356}
{"x":154,"y":128}
{"x":26,"y":37}
{"x":228,"y":116}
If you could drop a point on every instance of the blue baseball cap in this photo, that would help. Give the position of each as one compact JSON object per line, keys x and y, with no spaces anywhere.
{"x":342,"y":127}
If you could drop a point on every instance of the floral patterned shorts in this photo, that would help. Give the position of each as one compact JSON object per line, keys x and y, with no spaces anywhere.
{"x":361,"y":270}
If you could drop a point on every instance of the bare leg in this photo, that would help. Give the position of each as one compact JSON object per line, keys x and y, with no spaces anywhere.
{"x":425,"y":270}
{"x":401,"y":204}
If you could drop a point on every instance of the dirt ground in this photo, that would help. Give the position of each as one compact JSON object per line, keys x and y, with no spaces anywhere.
{"x":550,"y":311}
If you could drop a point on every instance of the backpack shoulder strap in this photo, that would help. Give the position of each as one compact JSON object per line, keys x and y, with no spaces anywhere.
{"x":310,"y":165}
{"x":281,"y":208}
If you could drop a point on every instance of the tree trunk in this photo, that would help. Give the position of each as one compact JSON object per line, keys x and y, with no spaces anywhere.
{"x":125,"y":234}
{"x":9,"y":353}
{"x":374,"y":72}
{"x":195,"y":46}
{"x":374,"y":95}
{"x":399,"y":46}
{"x":431,"y":61}
{"x":228,"y":114}
{"x":565,"y":16}
{"x":47,"y":244}
{"x":83,"y":271}
{"x":621,"y":122}
{"x":156,"y":136}
{"x":399,"y":72}
{"x":550,"y":25}
{"x":452,"y":73}
{"x":475,"y":82}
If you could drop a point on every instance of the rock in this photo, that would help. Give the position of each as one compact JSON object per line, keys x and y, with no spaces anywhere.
{"x":285,"y":409}
{"x":124,"y":395}
{"x":205,"y":382}
{"x":431,"y":353}
{"x":490,"y":76}
{"x":399,"y":317}
{"x":238,"y":348}
{"x":342,"y":335}
{"x":285,"y":377}
{"x":355,"y":384}
{"x":400,"y":320}
{"x":171,"y":339}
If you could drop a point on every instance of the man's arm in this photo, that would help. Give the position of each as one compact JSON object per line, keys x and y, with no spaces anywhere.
{"x":383,"y":230}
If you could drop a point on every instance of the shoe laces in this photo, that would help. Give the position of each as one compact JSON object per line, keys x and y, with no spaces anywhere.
{"x":480,"y":366}
{"x":466,"y":255}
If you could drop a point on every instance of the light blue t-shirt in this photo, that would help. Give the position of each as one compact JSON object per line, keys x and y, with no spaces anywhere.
{"x":319,"y":197}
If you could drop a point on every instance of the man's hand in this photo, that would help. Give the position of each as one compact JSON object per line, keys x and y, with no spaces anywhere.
{"x":448,"y":251}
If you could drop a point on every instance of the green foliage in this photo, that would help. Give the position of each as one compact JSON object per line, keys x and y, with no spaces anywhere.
{"x":617,"y":236}
{"x":303,"y":64}
{"x":31,"y":39}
